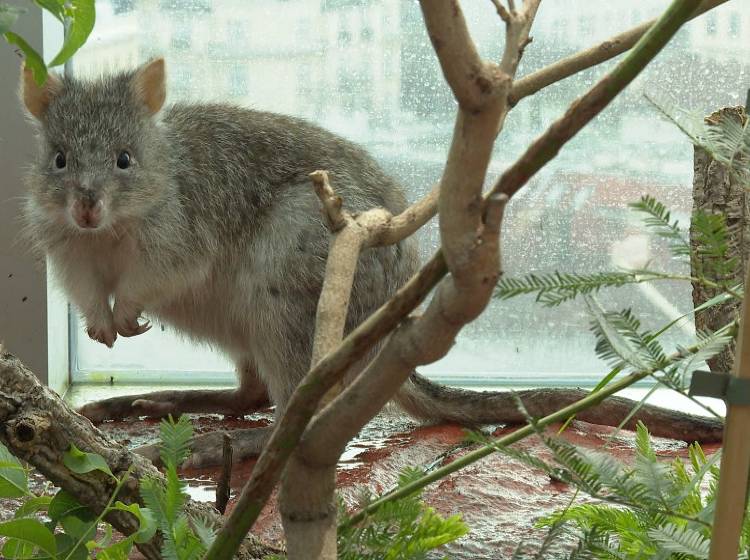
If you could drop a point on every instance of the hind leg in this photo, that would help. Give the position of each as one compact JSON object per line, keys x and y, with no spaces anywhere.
{"x":283,"y":358}
{"x":250,"y":396}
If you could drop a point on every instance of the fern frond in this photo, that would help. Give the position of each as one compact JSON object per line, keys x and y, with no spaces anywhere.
{"x":175,"y":440}
{"x":659,"y":220}
{"x":204,"y":530}
{"x":709,"y":344}
{"x":402,"y":529}
{"x":681,"y":540}
{"x":557,"y":287}
{"x":619,"y":340}
{"x":726,"y":140}
{"x":712,"y":240}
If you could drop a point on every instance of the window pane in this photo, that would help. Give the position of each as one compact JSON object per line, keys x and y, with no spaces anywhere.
{"x":366,"y":70}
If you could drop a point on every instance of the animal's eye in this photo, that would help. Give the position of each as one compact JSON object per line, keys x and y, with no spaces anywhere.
{"x":123,"y":160}
{"x":60,"y":161}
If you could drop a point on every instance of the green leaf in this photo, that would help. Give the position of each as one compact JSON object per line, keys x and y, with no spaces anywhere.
{"x":65,"y":543}
{"x":83,"y":17}
{"x":78,"y":528}
{"x":175,"y":440}
{"x":8,"y":16}
{"x":116,"y":551}
{"x":31,"y":531}
{"x":33,"y":60}
{"x":81,"y":462}
{"x":55,"y":7}
{"x":33,"y":505}
{"x":15,"y":549}
{"x":13,"y":478}
{"x":146,"y":521}
{"x":64,"y":505}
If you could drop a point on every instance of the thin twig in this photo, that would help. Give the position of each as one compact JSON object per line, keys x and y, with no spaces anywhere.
{"x":501,"y":11}
{"x":332,"y":204}
{"x":606,"y":50}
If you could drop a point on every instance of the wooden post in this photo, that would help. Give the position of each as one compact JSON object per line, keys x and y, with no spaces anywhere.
{"x":735,"y":462}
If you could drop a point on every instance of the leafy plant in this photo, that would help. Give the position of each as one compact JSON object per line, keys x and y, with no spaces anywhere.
{"x":69,"y":531}
{"x":402,"y":530}
{"x":184,"y":538}
{"x":80,"y":16}
{"x":726,"y":138}
{"x":647,"y":509}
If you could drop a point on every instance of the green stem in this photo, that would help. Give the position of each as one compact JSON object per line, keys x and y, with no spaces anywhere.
{"x":118,"y":487}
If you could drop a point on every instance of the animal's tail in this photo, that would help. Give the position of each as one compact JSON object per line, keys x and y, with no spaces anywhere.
{"x":427,"y":400}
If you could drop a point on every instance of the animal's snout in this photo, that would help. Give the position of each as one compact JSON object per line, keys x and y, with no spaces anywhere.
{"x":87,"y":210}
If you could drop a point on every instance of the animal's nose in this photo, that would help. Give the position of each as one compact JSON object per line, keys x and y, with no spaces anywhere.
{"x":87,"y":210}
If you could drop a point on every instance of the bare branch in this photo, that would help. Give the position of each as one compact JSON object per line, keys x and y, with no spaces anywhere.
{"x":517,"y":35}
{"x":566,"y":67}
{"x":330,"y":201}
{"x":407,"y":222}
{"x":474,"y":82}
{"x":334,"y":299}
{"x":501,"y":11}
{"x":223,"y":486}
{"x":417,"y":341}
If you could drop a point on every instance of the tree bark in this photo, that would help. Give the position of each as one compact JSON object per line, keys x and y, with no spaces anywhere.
{"x":716,"y":191}
{"x":37,"y":426}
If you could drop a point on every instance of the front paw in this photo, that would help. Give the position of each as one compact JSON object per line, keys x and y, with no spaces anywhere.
{"x":105,"y":334}
{"x":126,"y":320}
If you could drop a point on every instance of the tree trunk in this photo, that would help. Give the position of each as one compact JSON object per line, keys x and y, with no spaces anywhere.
{"x":716,"y":191}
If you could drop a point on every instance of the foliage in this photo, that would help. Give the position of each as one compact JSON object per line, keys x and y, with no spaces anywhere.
{"x":647,"y":509}
{"x":184,"y":538}
{"x":726,"y":139}
{"x":403,"y":530}
{"x":74,"y":531}
{"x":79,"y":15}
{"x":58,"y":527}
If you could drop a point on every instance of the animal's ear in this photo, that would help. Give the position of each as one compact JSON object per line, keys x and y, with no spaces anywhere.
{"x":150,"y":86}
{"x":37,"y":98}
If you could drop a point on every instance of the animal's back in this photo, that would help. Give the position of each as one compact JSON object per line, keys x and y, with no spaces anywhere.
{"x":243,"y":180}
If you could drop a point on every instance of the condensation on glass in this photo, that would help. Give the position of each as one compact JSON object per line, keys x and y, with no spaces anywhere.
{"x":366,"y":70}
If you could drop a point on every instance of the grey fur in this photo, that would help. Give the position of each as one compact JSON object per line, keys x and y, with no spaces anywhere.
{"x":215,"y":229}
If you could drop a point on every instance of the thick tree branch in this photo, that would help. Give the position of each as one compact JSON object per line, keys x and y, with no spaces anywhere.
{"x":606,"y":50}
{"x":474,"y":81}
